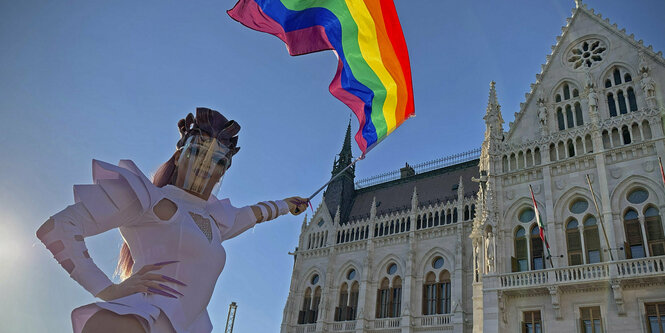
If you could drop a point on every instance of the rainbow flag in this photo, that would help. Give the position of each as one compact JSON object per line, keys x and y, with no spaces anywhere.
{"x":373,"y":74}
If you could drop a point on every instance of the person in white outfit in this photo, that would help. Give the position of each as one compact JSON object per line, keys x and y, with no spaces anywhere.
{"x":173,"y":228}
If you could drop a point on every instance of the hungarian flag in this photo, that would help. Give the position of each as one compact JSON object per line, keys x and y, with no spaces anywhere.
{"x":541,"y":227}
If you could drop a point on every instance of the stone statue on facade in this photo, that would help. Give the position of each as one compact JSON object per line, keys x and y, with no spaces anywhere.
{"x":489,"y":252}
{"x":649,"y":88}
{"x":647,"y":82}
{"x":542,"y":115}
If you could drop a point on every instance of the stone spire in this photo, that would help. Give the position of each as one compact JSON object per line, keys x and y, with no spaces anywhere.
{"x":493,"y":130}
{"x":345,"y":156}
{"x":414,"y":199}
{"x":493,"y":118}
{"x":339,"y":193}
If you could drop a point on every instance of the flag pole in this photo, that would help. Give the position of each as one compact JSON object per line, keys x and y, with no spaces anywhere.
{"x":662,"y":173}
{"x":541,"y":227}
{"x":600,"y":217}
{"x":335,"y":177}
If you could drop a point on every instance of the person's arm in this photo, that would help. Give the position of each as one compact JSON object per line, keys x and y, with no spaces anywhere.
{"x":269,"y":210}
{"x":64,"y":233}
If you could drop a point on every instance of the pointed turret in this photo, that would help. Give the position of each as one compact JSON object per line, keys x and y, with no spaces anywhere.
{"x":345,"y":157}
{"x":493,"y":118}
{"x":339,"y":193}
{"x":493,"y":130}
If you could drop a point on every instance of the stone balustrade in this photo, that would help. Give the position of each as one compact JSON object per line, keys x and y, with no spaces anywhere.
{"x":623,"y":269}
{"x":434,"y":320}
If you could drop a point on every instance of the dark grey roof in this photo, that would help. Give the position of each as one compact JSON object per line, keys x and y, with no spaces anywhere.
{"x":436,"y":185}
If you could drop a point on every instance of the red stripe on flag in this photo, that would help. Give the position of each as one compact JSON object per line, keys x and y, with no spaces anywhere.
{"x":662,"y":174}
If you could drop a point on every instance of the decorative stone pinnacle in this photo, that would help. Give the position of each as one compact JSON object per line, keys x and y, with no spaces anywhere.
{"x":578,"y":3}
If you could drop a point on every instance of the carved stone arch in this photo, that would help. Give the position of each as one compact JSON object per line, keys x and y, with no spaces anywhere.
{"x":572,"y":83}
{"x":309,"y":273}
{"x":608,"y":71}
{"x":618,"y":195}
{"x":340,"y":277}
{"x":380,"y":270}
{"x":565,"y":199}
{"x":425,"y":260}
{"x":521,"y":203}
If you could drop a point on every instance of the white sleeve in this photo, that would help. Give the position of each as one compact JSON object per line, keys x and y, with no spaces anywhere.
{"x":244,"y":219}
{"x":64,"y":233}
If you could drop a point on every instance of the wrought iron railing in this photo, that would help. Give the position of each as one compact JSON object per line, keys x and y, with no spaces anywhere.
{"x":421,"y":168}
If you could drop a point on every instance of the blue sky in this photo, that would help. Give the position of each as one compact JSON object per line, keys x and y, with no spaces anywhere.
{"x":109,"y":80}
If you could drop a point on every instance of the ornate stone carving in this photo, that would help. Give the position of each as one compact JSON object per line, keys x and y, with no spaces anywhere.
{"x":490,"y":250}
{"x":617,"y":291}
{"x":554,"y":295}
{"x":542,"y":116}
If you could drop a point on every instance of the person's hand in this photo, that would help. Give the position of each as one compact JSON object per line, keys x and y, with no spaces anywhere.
{"x":143,"y":282}
{"x":297,"y":205}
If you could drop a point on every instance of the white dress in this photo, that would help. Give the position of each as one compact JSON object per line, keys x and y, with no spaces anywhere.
{"x":122,"y":197}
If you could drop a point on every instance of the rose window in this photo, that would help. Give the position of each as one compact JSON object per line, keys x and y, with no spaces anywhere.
{"x":586,"y":53}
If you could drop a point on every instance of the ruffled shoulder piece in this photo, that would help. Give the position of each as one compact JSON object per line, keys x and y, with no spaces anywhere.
{"x":115,"y":187}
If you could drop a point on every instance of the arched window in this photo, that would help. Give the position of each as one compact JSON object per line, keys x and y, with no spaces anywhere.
{"x":436,"y":294}
{"x":444,"y":293}
{"x":617,"y":76}
{"x":606,"y":140}
{"x":625,"y":134}
{"x":341,"y":310}
{"x":383,"y":299}
{"x":315,"y":304}
{"x":608,"y":83}
{"x":396,"y":298}
{"x":454,"y":215}
{"x":569,"y":117}
{"x":634,"y":244}
{"x":646,"y":130}
{"x":622,"y":102}
{"x":473,"y":211}
{"x":520,"y":260}
{"x":610,"y":104}
{"x":578,"y":115}
{"x":571,"y":149}
{"x":654,"y":229}
{"x":557,"y":98}
{"x":466,"y":213}
{"x":627,"y":78}
{"x":574,"y":243}
{"x":591,"y":240}
{"x":537,"y":258}
{"x":576,"y":93}
{"x":429,"y":294}
{"x":304,"y":314}
{"x":560,"y":121}
{"x":631,"y":99}
{"x":566,"y":92}
{"x":353,"y":301}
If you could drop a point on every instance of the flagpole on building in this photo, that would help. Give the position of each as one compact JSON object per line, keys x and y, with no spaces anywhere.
{"x":541,"y":227}
{"x":600,"y":217}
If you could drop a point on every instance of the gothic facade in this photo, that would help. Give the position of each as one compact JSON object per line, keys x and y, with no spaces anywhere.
{"x":455,"y":244}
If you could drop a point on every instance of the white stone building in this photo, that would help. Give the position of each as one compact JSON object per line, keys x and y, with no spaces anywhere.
{"x":453,"y":245}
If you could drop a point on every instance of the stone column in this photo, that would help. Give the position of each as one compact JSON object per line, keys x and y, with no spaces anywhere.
{"x":603,"y":191}
{"x":365,"y":308}
{"x":408,"y":286}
